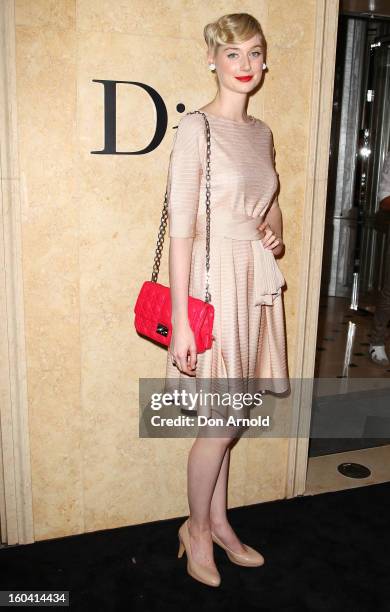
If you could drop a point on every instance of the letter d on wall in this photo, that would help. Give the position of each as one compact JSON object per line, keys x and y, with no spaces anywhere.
{"x":110,"y":118}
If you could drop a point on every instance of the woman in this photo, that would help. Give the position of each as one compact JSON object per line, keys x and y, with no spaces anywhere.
{"x":245,"y":281}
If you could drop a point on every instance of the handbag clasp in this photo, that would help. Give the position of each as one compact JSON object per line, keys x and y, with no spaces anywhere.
{"x":162,"y":329}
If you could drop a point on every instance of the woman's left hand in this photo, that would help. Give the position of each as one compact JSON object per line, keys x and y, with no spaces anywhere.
{"x":271,"y":241}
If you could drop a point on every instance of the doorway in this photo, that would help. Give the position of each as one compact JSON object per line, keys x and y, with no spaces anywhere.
{"x":350,"y":425}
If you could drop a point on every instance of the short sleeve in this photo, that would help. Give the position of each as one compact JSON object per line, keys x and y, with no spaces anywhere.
{"x":184,"y":176}
{"x":384,"y":184}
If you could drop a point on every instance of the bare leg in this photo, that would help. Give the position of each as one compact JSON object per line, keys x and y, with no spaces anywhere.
{"x":204,"y":463}
{"x":218,"y":516}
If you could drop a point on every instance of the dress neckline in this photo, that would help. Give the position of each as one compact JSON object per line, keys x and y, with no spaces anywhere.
{"x":252,"y":119}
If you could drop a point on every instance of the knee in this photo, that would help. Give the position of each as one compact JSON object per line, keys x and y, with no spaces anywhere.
{"x":218,"y":441}
{"x":230,"y":438}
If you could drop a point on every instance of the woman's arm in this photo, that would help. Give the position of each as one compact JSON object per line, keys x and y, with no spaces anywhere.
{"x":274,"y":219}
{"x":183,"y":340}
{"x":273,"y":224}
{"x":183,"y":201}
{"x":180,"y":250}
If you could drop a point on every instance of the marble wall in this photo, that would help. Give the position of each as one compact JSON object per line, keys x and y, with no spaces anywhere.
{"x":89,"y":226}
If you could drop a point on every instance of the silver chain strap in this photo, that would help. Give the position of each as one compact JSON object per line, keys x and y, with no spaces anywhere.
{"x":164,"y":218}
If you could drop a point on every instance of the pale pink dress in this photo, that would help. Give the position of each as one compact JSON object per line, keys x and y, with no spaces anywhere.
{"x":249,"y":350}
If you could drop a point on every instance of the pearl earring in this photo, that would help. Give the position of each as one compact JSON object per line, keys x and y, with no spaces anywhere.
{"x":264,"y":66}
{"x":212,"y":66}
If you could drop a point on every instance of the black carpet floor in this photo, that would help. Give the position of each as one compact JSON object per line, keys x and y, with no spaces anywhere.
{"x":328,"y":552}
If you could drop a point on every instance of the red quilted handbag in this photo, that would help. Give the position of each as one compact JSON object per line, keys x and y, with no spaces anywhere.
{"x":153,"y":306}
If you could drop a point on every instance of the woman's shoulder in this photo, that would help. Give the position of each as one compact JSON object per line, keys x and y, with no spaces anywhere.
{"x":190,"y":136}
{"x":263,"y":124}
{"x":190,"y":127}
{"x":190,"y":130}
{"x":191,"y":122}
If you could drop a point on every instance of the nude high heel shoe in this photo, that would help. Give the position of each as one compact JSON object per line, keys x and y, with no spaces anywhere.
{"x":251,"y":558}
{"x":204,"y":574}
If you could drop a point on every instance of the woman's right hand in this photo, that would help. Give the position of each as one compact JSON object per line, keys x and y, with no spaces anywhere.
{"x":182,"y":348}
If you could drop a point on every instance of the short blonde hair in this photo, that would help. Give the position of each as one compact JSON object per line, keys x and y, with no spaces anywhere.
{"x":233,"y":28}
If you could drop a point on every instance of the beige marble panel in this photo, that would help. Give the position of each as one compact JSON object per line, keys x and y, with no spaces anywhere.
{"x":290,"y":24}
{"x":47,"y":112}
{"x":174,"y":18}
{"x":56,"y":14}
{"x":56,"y":426}
{"x":266,"y":479}
{"x":290,"y":29}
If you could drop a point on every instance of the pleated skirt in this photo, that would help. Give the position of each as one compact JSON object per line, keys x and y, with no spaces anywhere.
{"x":249,"y":352}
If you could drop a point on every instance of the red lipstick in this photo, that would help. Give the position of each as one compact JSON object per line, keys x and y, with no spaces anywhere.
{"x":244,"y":78}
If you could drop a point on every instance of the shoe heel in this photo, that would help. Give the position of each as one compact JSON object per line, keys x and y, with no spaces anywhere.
{"x":202,"y":573}
{"x":181,"y":549}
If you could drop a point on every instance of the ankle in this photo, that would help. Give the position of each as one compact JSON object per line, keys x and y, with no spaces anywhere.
{"x":198,"y":527}
{"x":218,"y":522}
